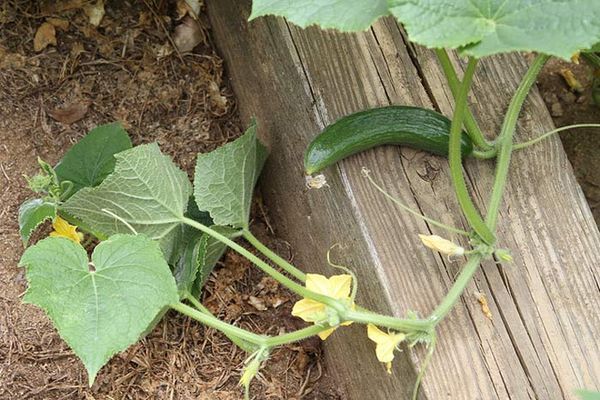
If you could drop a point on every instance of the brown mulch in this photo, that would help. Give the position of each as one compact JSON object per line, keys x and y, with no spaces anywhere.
{"x":126,"y":69}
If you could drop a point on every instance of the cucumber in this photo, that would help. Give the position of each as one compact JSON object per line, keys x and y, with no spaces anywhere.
{"x":403,"y":125}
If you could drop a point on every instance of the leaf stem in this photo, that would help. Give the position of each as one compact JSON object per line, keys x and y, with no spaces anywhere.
{"x":286,"y":266}
{"x":235,"y":339}
{"x":278,"y":276}
{"x":519,"y":146}
{"x":455,"y":159}
{"x":506,"y":137}
{"x":457,"y":289}
{"x":470,"y":123}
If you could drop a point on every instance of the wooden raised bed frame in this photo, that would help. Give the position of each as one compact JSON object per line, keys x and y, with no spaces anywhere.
{"x":544,"y":336}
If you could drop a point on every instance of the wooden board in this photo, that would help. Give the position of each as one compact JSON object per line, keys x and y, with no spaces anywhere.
{"x":544,"y":336}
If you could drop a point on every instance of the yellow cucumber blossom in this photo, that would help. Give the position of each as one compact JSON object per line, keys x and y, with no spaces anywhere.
{"x":337,"y":287}
{"x":63,"y":229}
{"x":386,"y":344}
{"x":442,"y":245}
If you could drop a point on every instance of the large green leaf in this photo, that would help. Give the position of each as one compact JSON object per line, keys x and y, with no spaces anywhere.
{"x":349,"y":15}
{"x":146,"y":192}
{"x":101,"y":308}
{"x":31,"y":214}
{"x":477,"y":27}
{"x":225,"y":179}
{"x":588,"y":395}
{"x":485,"y":27}
{"x":91,"y":159}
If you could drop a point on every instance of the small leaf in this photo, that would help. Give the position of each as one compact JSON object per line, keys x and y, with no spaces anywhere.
{"x":90,"y":160}
{"x":210,"y":252}
{"x":44,"y":36}
{"x":198,"y":258}
{"x":101,"y":308}
{"x":349,"y":15}
{"x":146,"y":192}
{"x":481,"y":28}
{"x":31,"y":214}
{"x":225,"y":179}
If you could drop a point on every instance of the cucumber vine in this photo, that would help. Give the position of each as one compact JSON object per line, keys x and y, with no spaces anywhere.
{"x":160,"y":236}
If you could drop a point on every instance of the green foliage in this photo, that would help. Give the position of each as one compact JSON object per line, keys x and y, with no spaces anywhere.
{"x":588,"y":395}
{"x":31,"y":214}
{"x":349,"y":15}
{"x":225,"y":179}
{"x":146,"y":193}
{"x":481,"y":28}
{"x":90,"y":160}
{"x":101,"y":308}
{"x":477,"y":27}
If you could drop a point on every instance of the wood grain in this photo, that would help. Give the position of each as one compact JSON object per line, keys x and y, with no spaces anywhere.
{"x":543,"y":339}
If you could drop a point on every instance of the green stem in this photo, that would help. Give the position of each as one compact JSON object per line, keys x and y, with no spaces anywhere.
{"x":506,"y":137}
{"x":523,"y":145}
{"x":248,"y":347}
{"x":455,"y":159}
{"x":278,"y":276}
{"x":247,"y":336}
{"x":397,"y":324}
{"x":470,"y":123}
{"x":295,"y":336}
{"x":214,"y":322}
{"x":286,"y":266}
{"x":457,"y":289}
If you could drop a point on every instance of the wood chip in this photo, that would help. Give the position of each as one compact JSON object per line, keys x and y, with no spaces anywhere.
{"x":187,"y":35}
{"x":70,"y":113}
{"x":95,"y":12}
{"x":45,"y":36}
{"x":59,"y":23}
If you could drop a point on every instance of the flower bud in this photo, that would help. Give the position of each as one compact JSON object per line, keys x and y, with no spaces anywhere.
{"x":442,"y":245}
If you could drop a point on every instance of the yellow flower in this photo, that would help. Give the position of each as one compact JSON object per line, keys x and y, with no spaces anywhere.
{"x":337,"y":287}
{"x":63,"y":229}
{"x":442,"y":245}
{"x":386,"y":344}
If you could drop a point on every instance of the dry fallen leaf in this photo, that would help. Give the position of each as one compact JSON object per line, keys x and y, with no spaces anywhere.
{"x":70,"y":113}
{"x":95,"y":12}
{"x":257,"y":303}
{"x":191,"y":7}
{"x":45,"y":35}
{"x":59,"y":23}
{"x":485,"y":308}
{"x":218,"y":100}
{"x":187,"y":35}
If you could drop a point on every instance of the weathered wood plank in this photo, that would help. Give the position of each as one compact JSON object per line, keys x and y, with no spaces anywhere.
{"x":543,"y":340}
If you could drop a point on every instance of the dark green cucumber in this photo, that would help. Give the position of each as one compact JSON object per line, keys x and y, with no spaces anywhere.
{"x":403,"y":125}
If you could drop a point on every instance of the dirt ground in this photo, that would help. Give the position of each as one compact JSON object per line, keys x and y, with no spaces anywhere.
{"x":571,"y":107}
{"x":125,"y":69}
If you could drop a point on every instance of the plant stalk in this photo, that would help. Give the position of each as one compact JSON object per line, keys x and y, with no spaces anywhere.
{"x":286,"y":266}
{"x":506,"y":137}
{"x":471,"y":125}
{"x":278,"y":276}
{"x":455,"y":159}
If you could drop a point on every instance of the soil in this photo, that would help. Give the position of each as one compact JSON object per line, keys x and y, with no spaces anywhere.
{"x":126,"y":69}
{"x":568,"y":107}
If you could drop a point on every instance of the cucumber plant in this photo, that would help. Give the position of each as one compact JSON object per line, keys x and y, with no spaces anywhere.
{"x":160,"y":235}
